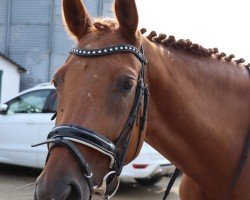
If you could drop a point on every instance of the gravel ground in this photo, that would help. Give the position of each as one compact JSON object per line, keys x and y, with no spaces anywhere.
{"x":17,"y":183}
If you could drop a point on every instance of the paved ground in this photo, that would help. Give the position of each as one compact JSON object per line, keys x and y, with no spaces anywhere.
{"x":17,"y":183}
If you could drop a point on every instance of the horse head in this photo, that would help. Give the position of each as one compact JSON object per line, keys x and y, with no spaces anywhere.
{"x":102,"y":105}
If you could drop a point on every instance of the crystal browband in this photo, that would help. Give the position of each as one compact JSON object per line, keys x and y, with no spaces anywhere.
{"x":109,"y":50}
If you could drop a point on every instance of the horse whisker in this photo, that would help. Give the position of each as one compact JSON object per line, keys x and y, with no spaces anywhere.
{"x":26,"y":186}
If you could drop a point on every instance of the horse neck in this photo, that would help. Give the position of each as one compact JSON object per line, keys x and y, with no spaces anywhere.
{"x":193,"y":115}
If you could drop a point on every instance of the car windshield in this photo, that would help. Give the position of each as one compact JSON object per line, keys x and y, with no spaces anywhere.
{"x":32,"y":102}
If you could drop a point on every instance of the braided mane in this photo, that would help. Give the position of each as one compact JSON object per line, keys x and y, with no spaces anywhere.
{"x":188,"y":46}
{"x":170,"y":41}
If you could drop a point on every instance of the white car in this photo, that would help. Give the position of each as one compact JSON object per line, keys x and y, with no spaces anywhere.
{"x":26,"y":119}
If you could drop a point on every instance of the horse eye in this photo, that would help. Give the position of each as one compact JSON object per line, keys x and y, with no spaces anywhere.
{"x":127,"y":85}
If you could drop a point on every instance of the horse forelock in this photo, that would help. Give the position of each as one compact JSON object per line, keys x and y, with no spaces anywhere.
{"x":105,"y":24}
{"x":188,"y":46}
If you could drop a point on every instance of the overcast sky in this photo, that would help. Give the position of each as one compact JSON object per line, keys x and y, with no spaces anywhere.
{"x":213,"y":23}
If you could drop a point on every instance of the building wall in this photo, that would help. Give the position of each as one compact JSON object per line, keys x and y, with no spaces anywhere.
{"x":34,"y":35}
{"x":3,"y":24}
{"x":10,"y":80}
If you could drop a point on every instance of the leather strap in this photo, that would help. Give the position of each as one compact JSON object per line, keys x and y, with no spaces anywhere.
{"x":109,"y":50}
{"x":84,"y":134}
{"x":171,"y":182}
{"x":53,"y":116}
{"x":242,"y":162}
{"x":59,"y":141}
{"x":244,"y":154}
{"x":234,"y":180}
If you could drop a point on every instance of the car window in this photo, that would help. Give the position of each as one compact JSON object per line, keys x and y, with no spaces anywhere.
{"x":32,"y":102}
{"x":51,"y":104}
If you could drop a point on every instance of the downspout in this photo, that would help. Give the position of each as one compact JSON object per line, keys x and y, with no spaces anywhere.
{"x":7,"y":33}
{"x":100,"y":8}
{"x":1,"y":72}
{"x":50,"y":46}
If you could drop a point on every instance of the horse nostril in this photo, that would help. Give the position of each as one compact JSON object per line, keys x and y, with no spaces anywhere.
{"x":67,"y":192}
{"x":72,"y":192}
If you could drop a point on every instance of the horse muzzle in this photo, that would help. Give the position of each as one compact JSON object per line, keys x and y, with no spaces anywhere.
{"x":66,"y":136}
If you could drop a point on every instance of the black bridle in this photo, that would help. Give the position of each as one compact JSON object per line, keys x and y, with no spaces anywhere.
{"x":65,"y":135}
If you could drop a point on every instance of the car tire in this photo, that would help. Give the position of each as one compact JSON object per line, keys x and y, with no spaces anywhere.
{"x":149,"y":181}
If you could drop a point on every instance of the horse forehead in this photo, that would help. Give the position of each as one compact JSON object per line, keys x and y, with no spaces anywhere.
{"x":99,"y":39}
{"x":104,"y":64}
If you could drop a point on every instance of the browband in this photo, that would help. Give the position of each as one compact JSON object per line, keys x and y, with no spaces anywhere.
{"x":109,"y":50}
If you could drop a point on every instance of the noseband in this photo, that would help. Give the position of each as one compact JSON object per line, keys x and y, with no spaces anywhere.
{"x":65,"y":135}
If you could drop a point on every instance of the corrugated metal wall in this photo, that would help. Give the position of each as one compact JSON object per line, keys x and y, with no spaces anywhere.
{"x":33,"y":35}
{"x":3,"y":24}
{"x":29,"y":38}
{"x":60,"y":40}
{"x":107,"y":10}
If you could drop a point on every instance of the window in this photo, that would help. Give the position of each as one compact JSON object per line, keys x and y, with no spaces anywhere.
{"x":32,"y":102}
{"x":51,"y":104}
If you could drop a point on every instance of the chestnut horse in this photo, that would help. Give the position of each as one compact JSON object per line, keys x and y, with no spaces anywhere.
{"x":198,"y":115}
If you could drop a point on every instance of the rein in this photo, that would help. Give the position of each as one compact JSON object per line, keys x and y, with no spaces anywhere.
{"x":235,"y":177}
{"x":65,"y":135}
{"x":241,"y":163}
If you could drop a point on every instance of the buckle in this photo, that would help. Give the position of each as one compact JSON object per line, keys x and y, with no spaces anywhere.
{"x":101,"y":190}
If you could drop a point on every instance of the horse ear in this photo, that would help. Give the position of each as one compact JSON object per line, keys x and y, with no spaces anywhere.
{"x":75,"y":17}
{"x":127,"y":15}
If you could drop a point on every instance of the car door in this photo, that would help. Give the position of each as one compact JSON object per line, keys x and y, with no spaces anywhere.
{"x":45,"y":126}
{"x":19,"y":128}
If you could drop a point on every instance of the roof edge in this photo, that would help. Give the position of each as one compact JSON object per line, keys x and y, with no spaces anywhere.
{"x":19,"y":67}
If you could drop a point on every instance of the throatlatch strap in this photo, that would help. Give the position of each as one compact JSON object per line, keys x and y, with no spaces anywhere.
{"x":54,"y":116}
{"x":171,"y":182}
